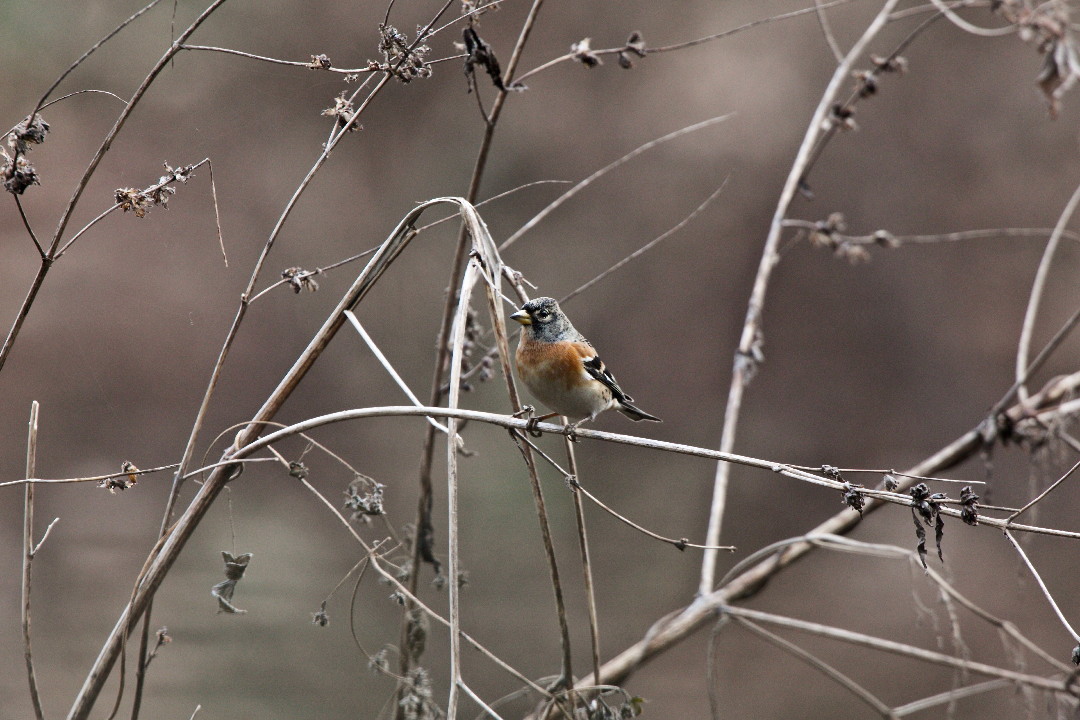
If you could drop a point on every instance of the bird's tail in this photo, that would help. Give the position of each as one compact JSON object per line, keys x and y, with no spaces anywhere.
{"x":635,"y":413}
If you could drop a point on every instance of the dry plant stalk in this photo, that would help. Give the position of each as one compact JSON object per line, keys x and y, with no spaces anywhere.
{"x":485,"y":265}
{"x":165,"y":553}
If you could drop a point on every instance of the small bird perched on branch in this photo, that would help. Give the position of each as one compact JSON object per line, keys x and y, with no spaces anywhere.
{"x":563,"y":371}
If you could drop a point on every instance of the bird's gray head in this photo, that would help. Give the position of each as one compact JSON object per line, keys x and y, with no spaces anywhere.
{"x":545,"y":320}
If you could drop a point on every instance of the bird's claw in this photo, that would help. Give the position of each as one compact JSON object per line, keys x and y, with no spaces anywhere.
{"x":530,"y":427}
{"x":530,"y":423}
{"x":529,"y":412}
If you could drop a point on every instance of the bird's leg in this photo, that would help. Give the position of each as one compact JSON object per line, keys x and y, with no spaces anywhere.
{"x":571,"y":428}
{"x":530,"y":425}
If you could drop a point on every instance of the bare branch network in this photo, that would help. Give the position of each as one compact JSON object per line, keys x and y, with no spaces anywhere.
{"x":460,"y":612}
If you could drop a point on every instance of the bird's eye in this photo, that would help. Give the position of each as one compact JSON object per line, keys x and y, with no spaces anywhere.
{"x":543,"y":315}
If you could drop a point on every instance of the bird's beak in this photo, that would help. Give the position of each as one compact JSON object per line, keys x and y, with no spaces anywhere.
{"x":522,"y":317}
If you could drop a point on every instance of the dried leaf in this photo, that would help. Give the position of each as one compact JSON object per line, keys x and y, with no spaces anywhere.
{"x":924,"y":507}
{"x":401,"y":61}
{"x":343,"y":111}
{"x":920,"y":535}
{"x":584,"y":54}
{"x":969,"y":506}
{"x":364,"y":504}
{"x":320,"y":62}
{"x":635,"y":46}
{"x":121,"y":483}
{"x":480,"y":53}
{"x":234,"y":571}
{"x":853,"y":497}
{"x":18,"y":174}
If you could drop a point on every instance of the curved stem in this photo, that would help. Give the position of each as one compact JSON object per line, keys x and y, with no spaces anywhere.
{"x":1042,"y":586}
{"x":1038,"y":287}
{"x":745,"y":362}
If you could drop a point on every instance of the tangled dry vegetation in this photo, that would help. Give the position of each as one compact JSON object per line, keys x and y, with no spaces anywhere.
{"x":458,"y":646}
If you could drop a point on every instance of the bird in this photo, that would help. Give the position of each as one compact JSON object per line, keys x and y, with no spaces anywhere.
{"x":563,"y":370}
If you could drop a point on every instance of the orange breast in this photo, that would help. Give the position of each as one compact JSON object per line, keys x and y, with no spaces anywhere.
{"x":555,"y":376}
{"x":549,"y":364}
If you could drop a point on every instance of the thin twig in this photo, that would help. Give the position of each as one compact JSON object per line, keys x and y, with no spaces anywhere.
{"x":928,"y":7}
{"x":1042,"y":586}
{"x":476,"y":698}
{"x":964,"y":25}
{"x":29,"y":229}
{"x":826,"y":30}
{"x":86,"y":91}
{"x":167,"y":181}
{"x":833,"y":127}
{"x":1040,"y":359}
{"x":276,"y":61}
{"x":1037,"y":289}
{"x":581,"y":185}
{"x":826,"y":540}
{"x":839,"y":543}
{"x":902,"y":649}
{"x":571,"y":478}
{"x":498,"y":196}
{"x":748,"y":351}
{"x":478,"y":10}
{"x":932,"y":238}
{"x":1044,"y":493}
{"x":689,"y":43}
{"x":874,"y":497}
{"x":452,"y":439}
{"x":681,"y":544}
{"x":882,"y":471}
{"x":586,"y":561}
{"x":649,"y":245}
{"x":950,"y":696}
{"x":28,"y":557}
{"x":217,"y":213}
{"x":391,"y":371}
{"x":56,"y":83}
{"x":124,"y":473}
{"x":823,"y":667}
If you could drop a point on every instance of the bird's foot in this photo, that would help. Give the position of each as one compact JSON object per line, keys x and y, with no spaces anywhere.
{"x":529,"y":412}
{"x":530,"y":427}
{"x":571,"y":431}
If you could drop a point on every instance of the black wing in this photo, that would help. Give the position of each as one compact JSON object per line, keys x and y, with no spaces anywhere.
{"x":598,"y":371}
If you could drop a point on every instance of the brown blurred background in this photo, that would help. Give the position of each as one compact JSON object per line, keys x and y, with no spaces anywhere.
{"x":869,"y":365}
